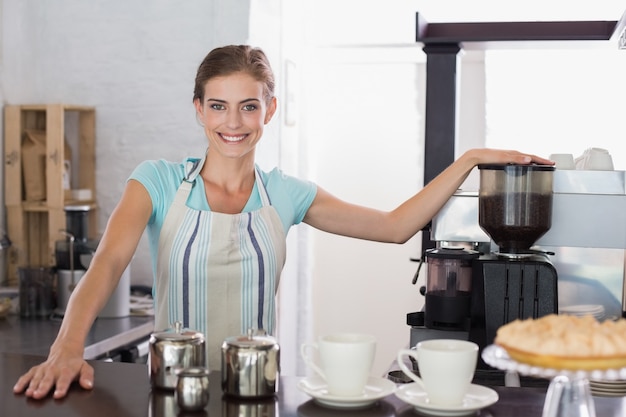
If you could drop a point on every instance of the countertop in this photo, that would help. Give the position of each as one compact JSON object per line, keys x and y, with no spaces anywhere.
{"x":123,"y":390}
{"x":34,"y":336}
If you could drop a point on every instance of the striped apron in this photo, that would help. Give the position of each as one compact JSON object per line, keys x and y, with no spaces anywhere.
{"x":218,"y":273}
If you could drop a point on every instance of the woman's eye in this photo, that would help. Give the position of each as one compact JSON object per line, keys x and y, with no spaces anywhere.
{"x":217,"y":106}
{"x":249,"y":107}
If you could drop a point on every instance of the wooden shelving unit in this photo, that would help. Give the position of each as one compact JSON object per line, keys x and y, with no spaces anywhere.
{"x":34,"y":226}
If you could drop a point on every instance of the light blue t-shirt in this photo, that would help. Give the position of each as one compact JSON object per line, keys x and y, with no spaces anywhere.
{"x":290,"y":196}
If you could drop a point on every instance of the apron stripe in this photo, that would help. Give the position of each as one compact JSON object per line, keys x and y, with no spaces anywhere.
{"x":248,"y":289}
{"x":261,"y":281}
{"x":186,"y":257}
{"x":264,"y":237}
{"x":201,"y":269}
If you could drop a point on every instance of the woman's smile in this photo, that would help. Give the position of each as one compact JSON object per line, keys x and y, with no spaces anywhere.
{"x":232,"y":138}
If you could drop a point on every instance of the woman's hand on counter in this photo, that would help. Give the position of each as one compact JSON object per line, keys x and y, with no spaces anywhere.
{"x":58,"y":372}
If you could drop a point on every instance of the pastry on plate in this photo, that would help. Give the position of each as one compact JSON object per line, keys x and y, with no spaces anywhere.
{"x":565,"y":342}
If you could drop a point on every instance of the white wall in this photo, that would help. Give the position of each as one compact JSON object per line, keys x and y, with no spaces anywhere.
{"x":367,"y":144}
{"x":135,"y":62}
{"x":364,"y":133}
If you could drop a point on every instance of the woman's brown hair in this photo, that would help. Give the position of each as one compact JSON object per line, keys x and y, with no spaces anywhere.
{"x":230,"y":59}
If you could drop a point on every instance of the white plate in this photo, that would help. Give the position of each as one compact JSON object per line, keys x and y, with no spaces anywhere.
{"x":497,"y":357}
{"x":595,"y":310}
{"x":375,"y":389}
{"x":607,"y":388}
{"x":477,"y":397}
{"x":620,"y":393}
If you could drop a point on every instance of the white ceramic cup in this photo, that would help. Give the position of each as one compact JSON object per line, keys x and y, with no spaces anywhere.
{"x":599,"y":159}
{"x":446,"y":367}
{"x":345,"y":361}
{"x":563,"y":160}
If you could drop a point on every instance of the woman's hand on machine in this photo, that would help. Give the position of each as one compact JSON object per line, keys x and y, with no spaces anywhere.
{"x":504,"y":156}
{"x":58,"y":371}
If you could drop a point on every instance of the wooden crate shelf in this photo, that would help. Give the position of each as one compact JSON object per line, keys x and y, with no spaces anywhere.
{"x":34,"y":226}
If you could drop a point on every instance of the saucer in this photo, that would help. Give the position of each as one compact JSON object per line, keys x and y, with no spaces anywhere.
{"x":375,"y":389}
{"x":477,"y":397}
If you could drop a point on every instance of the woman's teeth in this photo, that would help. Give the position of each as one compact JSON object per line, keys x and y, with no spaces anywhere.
{"x":233,"y":138}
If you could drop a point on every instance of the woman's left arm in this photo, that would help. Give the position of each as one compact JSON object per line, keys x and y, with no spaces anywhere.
{"x":330,"y":214}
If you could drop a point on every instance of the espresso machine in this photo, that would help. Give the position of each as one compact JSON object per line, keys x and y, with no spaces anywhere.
{"x":471,"y":291}
{"x":505,"y":243}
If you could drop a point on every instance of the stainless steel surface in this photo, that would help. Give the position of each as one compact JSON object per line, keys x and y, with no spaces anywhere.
{"x":587,"y":236}
{"x":34,"y":336}
{"x":162,"y":403}
{"x":421,"y":333}
{"x":131,"y":330}
{"x":589,"y":211}
{"x":192,"y":389}
{"x":67,"y":279}
{"x":264,"y":407}
{"x":171,"y":351}
{"x":250,"y":365}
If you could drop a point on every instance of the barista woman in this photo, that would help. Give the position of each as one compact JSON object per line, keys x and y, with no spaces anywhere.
{"x":217,"y":224}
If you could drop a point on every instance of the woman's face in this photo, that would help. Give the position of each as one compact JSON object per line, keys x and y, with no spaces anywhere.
{"x":234,"y":113}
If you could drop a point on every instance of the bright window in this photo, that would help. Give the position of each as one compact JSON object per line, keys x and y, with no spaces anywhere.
{"x":557,"y":101}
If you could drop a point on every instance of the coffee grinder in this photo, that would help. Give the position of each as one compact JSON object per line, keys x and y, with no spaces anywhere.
{"x":472,"y":290}
{"x":514,"y":282}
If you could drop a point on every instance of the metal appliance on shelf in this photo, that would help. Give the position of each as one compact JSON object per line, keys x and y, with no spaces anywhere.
{"x":73,"y":257}
{"x":507,"y":254}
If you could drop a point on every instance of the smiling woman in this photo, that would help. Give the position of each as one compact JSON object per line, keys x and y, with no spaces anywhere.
{"x":234,"y":125}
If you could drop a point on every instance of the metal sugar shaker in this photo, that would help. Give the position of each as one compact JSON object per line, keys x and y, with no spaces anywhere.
{"x":171,"y":351}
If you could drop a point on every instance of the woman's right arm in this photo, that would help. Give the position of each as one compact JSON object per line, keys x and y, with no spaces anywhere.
{"x":65,"y":362}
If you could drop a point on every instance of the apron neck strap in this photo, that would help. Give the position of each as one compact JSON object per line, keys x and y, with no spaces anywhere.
{"x":193,"y":168}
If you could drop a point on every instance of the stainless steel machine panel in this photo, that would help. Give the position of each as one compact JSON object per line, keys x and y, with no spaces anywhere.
{"x":587,"y":237}
{"x":589,"y":211}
